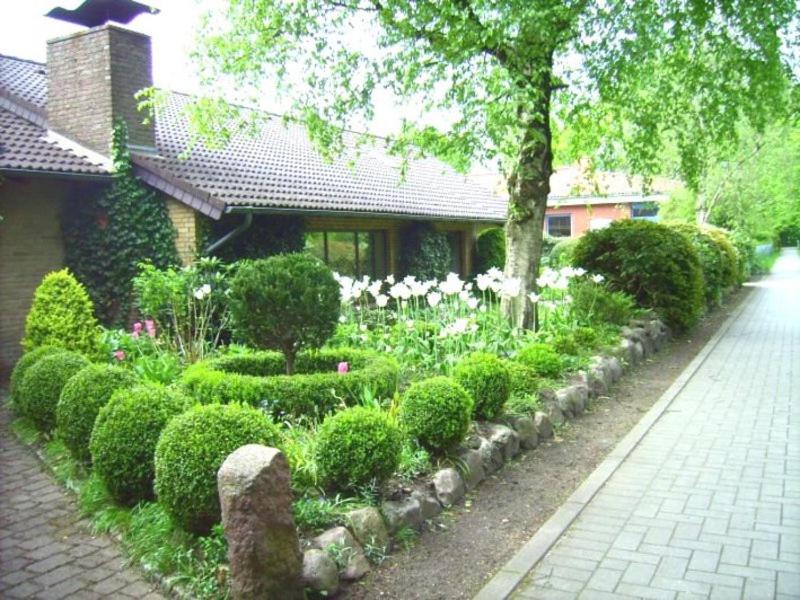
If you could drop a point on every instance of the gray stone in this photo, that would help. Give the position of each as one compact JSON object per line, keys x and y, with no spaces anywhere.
{"x":449,"y":486}
{"x":368,"y":527}
{"x":263,"y":547}
{"x":505,"y":438}
{"x":428,"y":505}
{"x":546,"y":395}
{"x":598,"y":381}
{"x":543,"y":425}
{"x":555,"y":415}
{"x":638,"y":351}
{"x":526,"y":430}
{"x":320,"y":572}
{"x":402,"y":513}
{"x":614,"y":367}
{"x":564,"y":401}
{"x":346,"y":551}
{"x":472,"y":471}
{"x":626,"y":351}
{"x":491,"y":457}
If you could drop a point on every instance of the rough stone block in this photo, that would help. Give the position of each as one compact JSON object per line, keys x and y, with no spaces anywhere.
{"x":449,"y":486}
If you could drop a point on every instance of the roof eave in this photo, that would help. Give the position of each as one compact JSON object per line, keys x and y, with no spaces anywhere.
{"x":243,"y":208}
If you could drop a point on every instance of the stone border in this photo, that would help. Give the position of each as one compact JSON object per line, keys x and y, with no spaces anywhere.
{"x":505,"y":582}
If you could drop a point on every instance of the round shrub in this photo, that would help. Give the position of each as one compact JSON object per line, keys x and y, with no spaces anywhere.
{"x":25,"y":362}
{"x":81,"y":399}
{"x":490,"y":250}
{"x":655,"y":264}
{"x":486,"y":379}
{"x":595,"y":303}
{"x":124,"y":438}
{"x":524,"y":380}
{"x":42,"y":384}
{"x":562,"y":254}
{"x":357,"y":445}
{"x":191,"y":450}
{"x":542,"y":358}
{"x":61,"y":315}
{"x":286,"y":302}
{"x":711,"y":260}
{"x":436,"y":412}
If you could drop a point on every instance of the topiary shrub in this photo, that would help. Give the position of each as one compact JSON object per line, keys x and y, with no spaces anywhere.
{"x":42,"y":384}
{"x":25,"y":362}
{"x":356,"y":446}
{"x":595,"y":303}
{"x":486,"y":379}
{"x":61,"y":315}
{"x":191,"y":450}
{"x":81,"y":399}
{"x":286,"y":302}
{"x":316,"y":388}
{"x":655,"y":264}
{"x":542,"y":358}
{"x":490,"y":250}
{"x":436,"y":412}
{"x":711,"y":260}
{"x":425,"y":252}
{"x":124,"y":439}
{"x":523,"y":379}
{"x":731,"y":271}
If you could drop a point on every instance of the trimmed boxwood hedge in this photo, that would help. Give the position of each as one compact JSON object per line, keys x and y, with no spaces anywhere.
{"x":437,"y":412}
{"x":25,"y":362}
{"x":314,"y":390}
{"x":486,"y":379}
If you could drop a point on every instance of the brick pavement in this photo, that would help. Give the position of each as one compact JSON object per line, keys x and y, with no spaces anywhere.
{"x":708,"y":504}
{"x":46,"y":550}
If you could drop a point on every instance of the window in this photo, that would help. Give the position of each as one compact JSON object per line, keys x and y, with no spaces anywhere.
{"x":353,"y":253}
{"x":644,"y":210}
{"x":559,"y":225}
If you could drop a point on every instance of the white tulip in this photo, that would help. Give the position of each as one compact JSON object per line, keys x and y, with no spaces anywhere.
{"x":534,"y":298}
{"x":382,"y":300}
{"x":472,"y":303}
{"x":511,"y":287}
{"x":434,"y":298}
{"x":598,"y":278}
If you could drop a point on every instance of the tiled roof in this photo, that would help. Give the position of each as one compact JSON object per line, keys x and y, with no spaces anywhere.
{"x":280,"y":169}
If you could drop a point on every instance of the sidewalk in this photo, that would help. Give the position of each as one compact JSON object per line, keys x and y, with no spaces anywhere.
{"x":707,"y":503}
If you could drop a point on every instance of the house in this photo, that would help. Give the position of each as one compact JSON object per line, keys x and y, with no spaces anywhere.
{"x":56,"y":122}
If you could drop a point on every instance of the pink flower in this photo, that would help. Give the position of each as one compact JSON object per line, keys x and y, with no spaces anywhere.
{"x":137,"y":327}
{"x":135,"y":335}
{"x":150,"y":326}
{"x":343,"y":367}
{"x":119,"y":355}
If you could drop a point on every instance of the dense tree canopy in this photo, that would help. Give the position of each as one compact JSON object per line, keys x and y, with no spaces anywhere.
{"x":489,"y":77}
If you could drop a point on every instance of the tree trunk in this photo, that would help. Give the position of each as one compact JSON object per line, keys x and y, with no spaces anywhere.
{"x":289,"y":354}
{"x":528,"y":188}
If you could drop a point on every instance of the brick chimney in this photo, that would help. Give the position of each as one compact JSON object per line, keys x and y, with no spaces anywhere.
{"x":92,"y":77}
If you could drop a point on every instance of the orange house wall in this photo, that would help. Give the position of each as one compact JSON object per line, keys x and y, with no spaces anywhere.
{"x":583,"y":214}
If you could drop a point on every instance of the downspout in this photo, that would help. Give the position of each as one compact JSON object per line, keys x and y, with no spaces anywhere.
{"x":239,"y":229}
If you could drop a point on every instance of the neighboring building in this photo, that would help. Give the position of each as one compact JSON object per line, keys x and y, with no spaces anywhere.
{"x":55,"y":130}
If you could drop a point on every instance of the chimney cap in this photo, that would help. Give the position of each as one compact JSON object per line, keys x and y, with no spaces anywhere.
{"x":98,"y":12}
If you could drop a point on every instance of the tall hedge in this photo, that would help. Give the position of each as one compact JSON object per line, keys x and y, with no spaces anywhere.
{"x":425,"y":252}
{"x":656,"y":265}
{"x":711,"y":260}
{"x":490,"y":250}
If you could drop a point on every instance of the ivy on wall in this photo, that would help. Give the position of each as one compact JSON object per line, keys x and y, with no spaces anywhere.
{"x":106,"y":238}
{"x":425,"y":252}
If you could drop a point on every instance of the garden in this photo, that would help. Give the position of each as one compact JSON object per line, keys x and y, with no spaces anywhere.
{"x":389,"y":398}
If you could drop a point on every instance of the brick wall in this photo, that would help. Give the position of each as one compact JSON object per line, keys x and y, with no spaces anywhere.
{"x":30,"y":247}
{"x":184,"y":219}
{"x":583,"y":215}
{"x":92,"y":77}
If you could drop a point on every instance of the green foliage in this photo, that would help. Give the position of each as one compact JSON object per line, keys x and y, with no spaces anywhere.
{"x":107,"y":237}
{"x":731,"y":275}
{"x":542,"y":358}
{"x":356,"y":446}
{"x":316,"y":388}
{"x":414,"y":460}
{"x":81,"y":399}
{"x":486,"y":379}
{"x":42,"y":385}
{"x":562,"y":253}
{"x":267,"y":236}
{"x":656,"y":265}
{"x":711,"y":260}
{"x":25,"y":362}
{"x":286,"y":302}
{"x":490,"y":250}
{"x":191,"y":450}
{"x":61,"y":315}
{"x":436,"y":412}
{"x":595,"y":303}
{"x":523,"y":405}
{"x":523,"y":379}
{"x":425,"y":252}
{"x":124,"y":438}
{"x":317,"y":513}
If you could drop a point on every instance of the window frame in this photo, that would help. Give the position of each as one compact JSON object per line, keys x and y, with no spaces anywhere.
{"x":370,"y":233}
{"x":549,"y":216}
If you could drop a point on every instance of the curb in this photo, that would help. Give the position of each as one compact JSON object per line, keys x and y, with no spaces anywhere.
{"x":510,"y":575}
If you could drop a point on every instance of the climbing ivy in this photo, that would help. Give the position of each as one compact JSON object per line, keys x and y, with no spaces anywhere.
{"x":107,"y":237}
{"x":425,"y":252}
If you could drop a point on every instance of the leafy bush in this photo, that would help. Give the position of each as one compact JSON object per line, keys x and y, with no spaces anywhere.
{"x":711,"y":259}
{"x":486,"y":379}
{"x":490,"y":249}
{"x":61,"y":315}
{"x":731,"y":272}
{"x":191,"y":450}
{"x":523,"y":379}
{"x":562,"y":254}
{"x":524,"y":405}
{"x":124,"y":438}
{"x":594,"y":303}
{"x":436,"y":412}
{"x":285,"y":302}
{"x":81,"y":399}
{"x":316,"y":388}
{"x":653,"y":263}
{"x":42,"y":384}
{"x":564,"y":343}
{"x":25,"y":362}
{"x":542,"y":358}
{"x":425,"y":252}
{"x":356,"y":446}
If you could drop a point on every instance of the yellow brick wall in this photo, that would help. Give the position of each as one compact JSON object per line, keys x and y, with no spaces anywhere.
{"x":30,"y":247}
{"x":184,"y":219}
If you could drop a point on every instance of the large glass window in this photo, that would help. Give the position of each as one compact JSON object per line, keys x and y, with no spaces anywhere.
{"x":644,"y":210}
{"x":353,"y":253}
{"x":559,"y":225}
